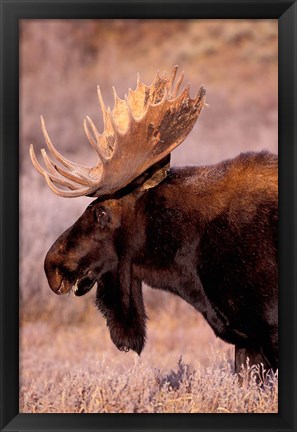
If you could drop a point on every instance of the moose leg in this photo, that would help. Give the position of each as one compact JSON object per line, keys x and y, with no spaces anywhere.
{"x":255,"y":357}
{"x":269,"y":347}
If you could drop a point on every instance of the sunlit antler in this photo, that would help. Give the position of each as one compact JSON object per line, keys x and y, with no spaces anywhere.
{"x":139,"y":132}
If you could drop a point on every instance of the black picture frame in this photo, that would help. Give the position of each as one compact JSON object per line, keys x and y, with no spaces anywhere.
{"x":11,"y":12}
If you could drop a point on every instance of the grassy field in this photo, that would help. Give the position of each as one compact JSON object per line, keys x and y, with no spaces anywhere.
{"x":67,"y":360}
{"x":75,"y":368}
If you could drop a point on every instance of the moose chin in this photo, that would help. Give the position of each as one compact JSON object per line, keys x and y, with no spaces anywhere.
{"x":207,"y":234}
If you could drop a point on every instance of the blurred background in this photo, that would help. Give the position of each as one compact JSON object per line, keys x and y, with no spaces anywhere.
{"x":61,"y":63}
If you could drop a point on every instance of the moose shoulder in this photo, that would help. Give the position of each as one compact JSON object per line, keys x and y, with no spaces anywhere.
{"x":206,"y":234}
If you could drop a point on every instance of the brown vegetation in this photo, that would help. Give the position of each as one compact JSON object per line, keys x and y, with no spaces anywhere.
{"x":67,"y":361}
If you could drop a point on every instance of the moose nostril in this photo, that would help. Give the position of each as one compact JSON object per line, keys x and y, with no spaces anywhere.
{"x":54,"y":276}
{"x":55,"y":279}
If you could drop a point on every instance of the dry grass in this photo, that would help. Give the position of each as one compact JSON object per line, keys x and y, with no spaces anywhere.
{"x":76,"y":370}
{"x":67,"y":361}
{"x":72,"y":367}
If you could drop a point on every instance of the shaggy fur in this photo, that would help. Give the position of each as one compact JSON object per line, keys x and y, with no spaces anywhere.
{"x":206,"y":234}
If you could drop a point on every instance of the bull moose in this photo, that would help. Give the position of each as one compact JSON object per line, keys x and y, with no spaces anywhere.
{"x":207,"y":234}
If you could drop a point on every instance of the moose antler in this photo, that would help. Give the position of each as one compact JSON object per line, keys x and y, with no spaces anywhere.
{"x":139,"y":132}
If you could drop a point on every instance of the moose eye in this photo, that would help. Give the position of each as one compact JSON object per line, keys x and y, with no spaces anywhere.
{"x":102,"y":216}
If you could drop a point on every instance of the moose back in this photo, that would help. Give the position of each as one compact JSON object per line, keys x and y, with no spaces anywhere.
{"x":207,"y":234}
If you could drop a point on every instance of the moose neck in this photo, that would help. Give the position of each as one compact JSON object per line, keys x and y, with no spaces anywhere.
{"x":147,"y":180}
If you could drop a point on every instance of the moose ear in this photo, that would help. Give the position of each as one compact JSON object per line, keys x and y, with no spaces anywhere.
{"x":119,"y":298}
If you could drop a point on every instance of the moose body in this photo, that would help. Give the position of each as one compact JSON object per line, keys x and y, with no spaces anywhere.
{"x":206,"y":234}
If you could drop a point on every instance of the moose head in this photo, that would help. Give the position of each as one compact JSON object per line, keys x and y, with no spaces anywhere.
{"x":207,"y":234}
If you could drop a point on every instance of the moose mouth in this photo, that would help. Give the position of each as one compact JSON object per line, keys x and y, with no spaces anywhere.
{"x":80,"y":287}
{"x":83,"y":286}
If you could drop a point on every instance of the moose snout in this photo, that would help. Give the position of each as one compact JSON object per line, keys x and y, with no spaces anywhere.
{"x":55,"y":276}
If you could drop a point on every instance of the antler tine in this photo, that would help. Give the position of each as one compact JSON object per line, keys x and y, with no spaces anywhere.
{"x":64,"y":193}
{"x":75,"y":168}
{"x":58,"y":179}
{"x":101,"y":101}
{"x":34,"y":160}
{"x":157,"y":77}
{"x":130,"y":114}
{"x":105,"y":111}
{"x":48,"y":162}
{"x":51,"y":147}
{"x":55,"y":176}
{"x":137,"y":79}
{"x":56,"y":169}
{"x":200,"y":95}
{"x":67,"y":163}
{"x":177,"y":85}
{"x":94,"y":142}
{"x":110,"y":128}
{"x":115,"y":96}
{"x":172,"y":78}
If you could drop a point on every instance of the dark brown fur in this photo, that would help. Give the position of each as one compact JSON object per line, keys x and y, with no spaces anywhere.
{"x":206,"y":234}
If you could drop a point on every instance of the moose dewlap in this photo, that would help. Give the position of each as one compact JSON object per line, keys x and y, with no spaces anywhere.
{"x":207,"y":234}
